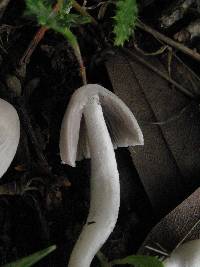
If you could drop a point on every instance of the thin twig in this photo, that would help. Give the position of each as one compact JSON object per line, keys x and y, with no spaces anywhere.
{"x":79,"y":58}
{"x":41,"y":32}
{"x":32,"y":46}
{"x":157,"y":250}
{"x":160,"y":51}
{"x":35,"y":41}
{"x":160,"y":73}
{"x":170,"y":51}
{"x":83,"y":12}
{"x":167,"y":40}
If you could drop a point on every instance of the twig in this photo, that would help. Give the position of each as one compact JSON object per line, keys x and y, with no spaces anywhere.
{"x":157,"y":250}
{"x":79,"y":58}
{"x":83,"y":12}
{"x":160,"y":73}
{"x":169,"y":41}
{"x":155,"y":53}
{"x":171,"y":53}
{"x":41,"y":32}
{"x":32,"y":46}
{"x":35,"y":41}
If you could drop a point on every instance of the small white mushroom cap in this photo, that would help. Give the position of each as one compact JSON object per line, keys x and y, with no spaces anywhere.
{"x":9,"y":134}
{"x":187,"y":255}
{"x":122,"y":125}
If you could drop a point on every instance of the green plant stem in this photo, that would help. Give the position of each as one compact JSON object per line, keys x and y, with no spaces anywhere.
{"x":60,"y":4}
{"x":36,"y":40}
{"x":77,"y":53}
{"x":83,"y":12}
{"x":66,"y":33}
{"x":74,"y":44}
{"x":73,"y":41}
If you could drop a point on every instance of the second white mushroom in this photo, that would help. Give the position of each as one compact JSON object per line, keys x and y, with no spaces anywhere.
{"x":9,"y":134}
{"x":187,"y":255}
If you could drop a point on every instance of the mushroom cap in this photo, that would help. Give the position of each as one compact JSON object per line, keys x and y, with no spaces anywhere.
{"x":122,"y":125}
{"x":9,"y":135}
{"x":187,"y":255}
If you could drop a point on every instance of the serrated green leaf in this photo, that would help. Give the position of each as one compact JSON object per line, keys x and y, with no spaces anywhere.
{"x":41,"y":9}
{"x":139,"y":261}
{"x":60,"y":21}
{"x":32,"y":259}
{"x":125,"y":20}
{"x":71,"y":20}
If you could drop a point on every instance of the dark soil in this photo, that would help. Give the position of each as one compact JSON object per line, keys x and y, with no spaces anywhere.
{"x":55,"y":208}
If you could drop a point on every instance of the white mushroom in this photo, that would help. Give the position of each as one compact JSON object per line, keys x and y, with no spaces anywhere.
{"x":9,"y":135}
{"x":104,"y":123}
{"x":187,"y":255}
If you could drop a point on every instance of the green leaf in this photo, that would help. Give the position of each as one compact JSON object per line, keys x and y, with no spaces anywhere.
{"x":125,"y":20}
{"x":139,"y":261}
{"x":32,"y":259}
{"x":71,"y":20}
{"x":60,"y":21}
{"x":41,"y":9}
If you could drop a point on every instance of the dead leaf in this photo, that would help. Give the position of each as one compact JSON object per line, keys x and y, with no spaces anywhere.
{"x":172,"y":229}
{"x":169,"y":162}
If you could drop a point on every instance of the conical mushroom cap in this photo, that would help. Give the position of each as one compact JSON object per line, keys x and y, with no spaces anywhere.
{"x":9,"y":135}
{"x":122,"y":125}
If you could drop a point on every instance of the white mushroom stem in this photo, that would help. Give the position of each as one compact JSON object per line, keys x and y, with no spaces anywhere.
{"x":187,"y":255}
{"x":84,"y":134}
{"x":9,"y":135}
{"x":105,"y":188}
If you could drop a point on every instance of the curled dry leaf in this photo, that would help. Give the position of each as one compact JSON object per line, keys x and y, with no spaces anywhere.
{"x":168,"y":164}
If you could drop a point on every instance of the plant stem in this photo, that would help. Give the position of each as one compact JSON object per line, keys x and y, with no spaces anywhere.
{"x":74,"y":44}
{"x":77,"y":53}
{"x":67,"y":33}
{"x":83,"y":12}
{"x":32,"y":46}
{"x":36,"y":39}
{"x":182,"y":89}
{"x":167,"y":40}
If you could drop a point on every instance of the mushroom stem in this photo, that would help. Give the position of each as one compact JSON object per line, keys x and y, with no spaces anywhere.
{"x":105,"y":188}
{"x":90,"y":110}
